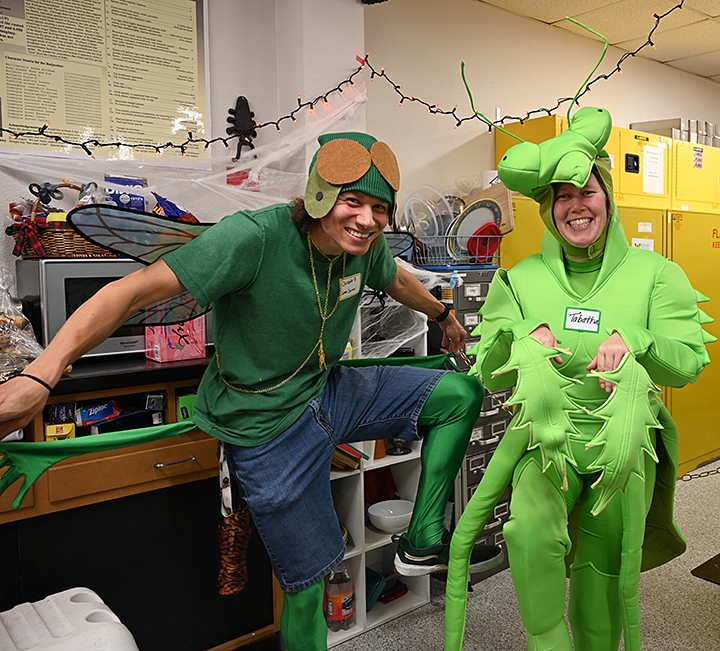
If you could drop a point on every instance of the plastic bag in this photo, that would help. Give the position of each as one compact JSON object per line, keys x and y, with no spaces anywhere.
{"x":18,"y":345}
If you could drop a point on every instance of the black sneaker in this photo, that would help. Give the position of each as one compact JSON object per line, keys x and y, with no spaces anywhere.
{"x":411,"y":561}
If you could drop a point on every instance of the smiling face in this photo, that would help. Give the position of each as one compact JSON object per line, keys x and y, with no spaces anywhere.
{"x":580,"y":213}
{"x":353,"y":223}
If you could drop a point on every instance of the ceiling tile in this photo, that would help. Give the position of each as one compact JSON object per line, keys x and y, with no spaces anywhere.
{"x":698,"y":38}
{"x":631,"y":19}
{"x":705,"y":65}
{"x":547,"y":12}
{"x":687,"y":37}
{"x":709,"y":7}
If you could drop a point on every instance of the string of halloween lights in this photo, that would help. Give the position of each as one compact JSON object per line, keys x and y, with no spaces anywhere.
{"x":309,"y":106}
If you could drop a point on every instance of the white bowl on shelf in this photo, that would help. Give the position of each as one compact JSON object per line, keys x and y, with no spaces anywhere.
{"x":391,"y":516}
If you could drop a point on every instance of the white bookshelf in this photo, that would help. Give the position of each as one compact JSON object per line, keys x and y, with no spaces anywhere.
{"x":370,"y":547}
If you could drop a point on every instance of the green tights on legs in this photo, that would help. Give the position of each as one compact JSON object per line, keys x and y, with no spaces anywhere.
{"x":449,"y":415}
{"x":302,"y":623}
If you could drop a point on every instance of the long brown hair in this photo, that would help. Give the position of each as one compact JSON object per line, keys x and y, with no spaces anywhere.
{"x":300,"y":216}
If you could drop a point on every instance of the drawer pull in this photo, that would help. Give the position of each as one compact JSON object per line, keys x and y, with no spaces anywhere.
{"x":173,"y":463}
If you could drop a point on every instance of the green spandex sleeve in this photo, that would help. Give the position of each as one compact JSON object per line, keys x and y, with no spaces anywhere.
{"x":30,"y":460}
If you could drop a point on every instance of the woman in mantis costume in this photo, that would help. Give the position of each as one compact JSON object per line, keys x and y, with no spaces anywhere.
{"x":591,"y":451}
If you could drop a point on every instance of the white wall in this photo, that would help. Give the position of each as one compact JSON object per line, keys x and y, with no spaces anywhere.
{"x":268,"y":50}
{"x":512,"y":63}
{"x":273,"y":50}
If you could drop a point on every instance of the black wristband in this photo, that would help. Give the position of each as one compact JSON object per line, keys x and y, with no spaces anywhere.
{"x":443,"y":316}
{"x":37,"y":379}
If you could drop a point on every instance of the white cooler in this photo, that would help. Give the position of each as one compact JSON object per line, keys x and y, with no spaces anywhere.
{"x":72,"y":620}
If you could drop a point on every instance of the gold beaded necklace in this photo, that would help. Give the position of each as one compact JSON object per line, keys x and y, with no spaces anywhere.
{"x":323,"y":309}
{"x":324,"y":317}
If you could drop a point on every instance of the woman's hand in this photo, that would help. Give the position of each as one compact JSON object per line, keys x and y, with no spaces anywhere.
{"x":545,"y":336}
{"x":610,"y":354}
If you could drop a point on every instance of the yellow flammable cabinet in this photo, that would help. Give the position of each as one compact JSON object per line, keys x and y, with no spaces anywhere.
{"x":694,"y":243}
{"x":696,"y":170}
{"x":526,"y":238}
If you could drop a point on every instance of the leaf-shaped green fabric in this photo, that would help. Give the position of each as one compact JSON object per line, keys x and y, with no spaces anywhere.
{"x":544,"y":407}
{"x":30,"y":460}
{"x":630,"y":413}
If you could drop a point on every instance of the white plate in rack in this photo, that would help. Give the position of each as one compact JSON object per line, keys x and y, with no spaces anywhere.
{"x":427,"y":214}
{"x":477,"y":214}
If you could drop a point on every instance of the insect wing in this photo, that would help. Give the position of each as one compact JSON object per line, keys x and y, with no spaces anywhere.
{"x":142,"y":236}
{"x":177,"y":309}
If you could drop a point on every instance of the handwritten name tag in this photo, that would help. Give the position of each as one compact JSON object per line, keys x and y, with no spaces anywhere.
{"x":584,"y":320}
{"x":349,"y":286}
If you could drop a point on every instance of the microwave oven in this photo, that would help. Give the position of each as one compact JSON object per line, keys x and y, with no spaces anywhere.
{"x":51,"y":289}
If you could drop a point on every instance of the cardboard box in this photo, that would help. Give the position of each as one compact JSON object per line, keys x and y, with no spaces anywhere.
{"x":59,"y":431}
{"x":650,"y":126}
{"x":175,"y":342}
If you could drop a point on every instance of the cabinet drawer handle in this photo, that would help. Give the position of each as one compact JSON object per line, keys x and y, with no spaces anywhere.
{"x":173,"y":463}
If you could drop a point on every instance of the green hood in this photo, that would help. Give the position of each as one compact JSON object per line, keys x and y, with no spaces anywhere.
{"x":545,"y":196}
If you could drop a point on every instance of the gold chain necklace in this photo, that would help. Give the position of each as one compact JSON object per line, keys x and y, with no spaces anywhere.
{"x":323,"y":309}
{"x":324,"y":316}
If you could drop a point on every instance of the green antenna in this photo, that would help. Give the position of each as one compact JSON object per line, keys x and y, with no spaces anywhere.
{"x":597,"y":65}
{"x":472,"y":106}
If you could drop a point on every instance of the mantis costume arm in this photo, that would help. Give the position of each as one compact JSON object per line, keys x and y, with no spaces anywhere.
{"x":541,"y":420}
{"x":502,"y":322}
{"x":630,"y":415}
{"x":669,"y":348}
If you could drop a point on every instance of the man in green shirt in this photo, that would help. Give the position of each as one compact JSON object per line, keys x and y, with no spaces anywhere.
{"x":285,"y":284}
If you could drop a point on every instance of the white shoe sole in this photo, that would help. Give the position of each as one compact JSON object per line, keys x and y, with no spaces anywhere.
{"x":407,"y":569}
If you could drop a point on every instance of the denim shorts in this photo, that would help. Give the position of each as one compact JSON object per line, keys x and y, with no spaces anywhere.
{"x":286,"y":481}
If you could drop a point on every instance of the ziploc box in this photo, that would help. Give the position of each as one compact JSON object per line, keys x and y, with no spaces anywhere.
{"x":171,"y":343}
{"x":125,"y":198}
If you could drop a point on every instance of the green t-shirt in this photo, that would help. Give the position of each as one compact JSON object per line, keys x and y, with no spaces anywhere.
{"x":254,"y":268}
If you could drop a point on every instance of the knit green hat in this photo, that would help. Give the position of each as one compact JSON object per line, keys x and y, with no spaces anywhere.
{"x":350,"y":161}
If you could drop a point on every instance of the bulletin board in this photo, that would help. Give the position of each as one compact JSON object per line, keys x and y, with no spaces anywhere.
{"x":118,"y":79}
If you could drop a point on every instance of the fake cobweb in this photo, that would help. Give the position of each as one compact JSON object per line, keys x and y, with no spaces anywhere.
{"x":275,"y":171}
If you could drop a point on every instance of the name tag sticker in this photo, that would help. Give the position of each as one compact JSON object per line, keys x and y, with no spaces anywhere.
{"x":584,"y":320}
{"x":349,"y":286}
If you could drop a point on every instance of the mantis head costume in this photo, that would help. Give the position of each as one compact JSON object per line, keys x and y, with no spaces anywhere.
{"x":593,"y":475}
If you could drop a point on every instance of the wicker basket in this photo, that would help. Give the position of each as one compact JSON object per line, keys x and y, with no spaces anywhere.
{"x":53,"y":240}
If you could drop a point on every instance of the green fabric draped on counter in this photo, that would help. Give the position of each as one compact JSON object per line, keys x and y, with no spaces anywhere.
{"x":30,"y":460}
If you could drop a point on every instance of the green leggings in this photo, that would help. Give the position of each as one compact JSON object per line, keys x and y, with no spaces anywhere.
{"x":447,"y":417}
{"x":603,"y":584}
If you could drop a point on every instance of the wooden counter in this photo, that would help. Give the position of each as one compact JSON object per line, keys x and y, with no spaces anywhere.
{"x":138,"y":525}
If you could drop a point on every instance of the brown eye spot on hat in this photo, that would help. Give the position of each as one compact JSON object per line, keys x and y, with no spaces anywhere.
{"x":342,"y":161}
{"x":385,"y":161}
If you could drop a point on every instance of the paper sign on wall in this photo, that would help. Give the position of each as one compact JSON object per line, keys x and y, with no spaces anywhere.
{"x":653,"y":170}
